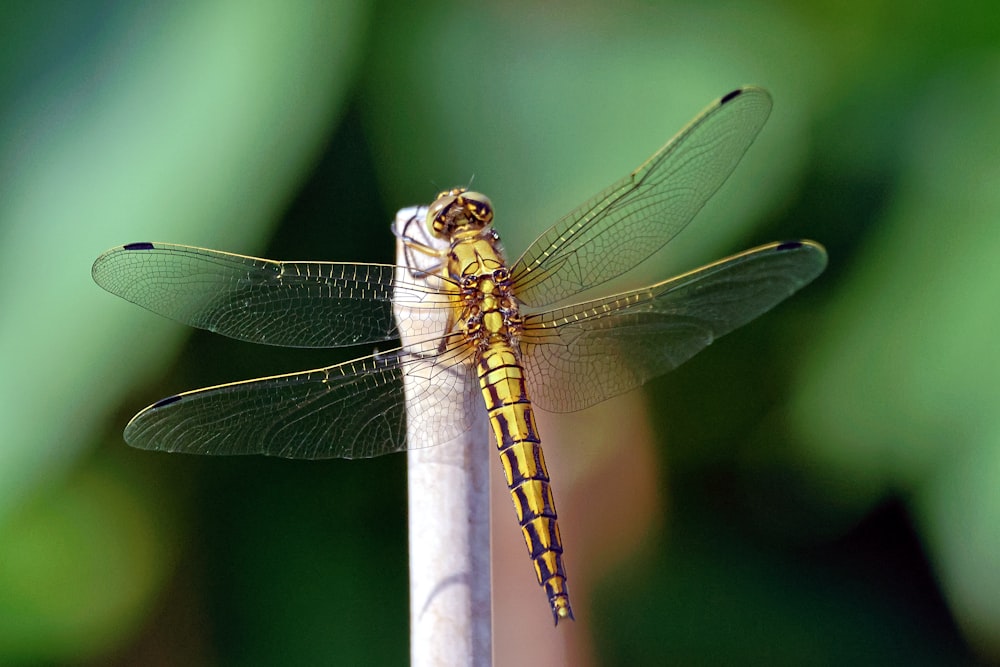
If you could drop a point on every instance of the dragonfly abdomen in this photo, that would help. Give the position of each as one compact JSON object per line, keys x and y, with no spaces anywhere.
{"x":501,"y":380}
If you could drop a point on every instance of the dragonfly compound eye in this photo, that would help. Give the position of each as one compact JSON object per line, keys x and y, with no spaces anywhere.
{"x":478,"y":208}
{"x":455,"y":209}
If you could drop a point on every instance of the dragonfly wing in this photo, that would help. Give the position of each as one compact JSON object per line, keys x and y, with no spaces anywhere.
{"x":635,"y":217}
{"x":583,"y":354}
{"x":294,"y":304}
{"x":352,"y":410}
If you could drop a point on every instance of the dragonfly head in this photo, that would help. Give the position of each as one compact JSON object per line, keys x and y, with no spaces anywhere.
{"x":456,"y":209}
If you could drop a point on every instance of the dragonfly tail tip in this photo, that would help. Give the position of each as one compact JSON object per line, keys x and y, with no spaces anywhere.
{"x":561,"y":610}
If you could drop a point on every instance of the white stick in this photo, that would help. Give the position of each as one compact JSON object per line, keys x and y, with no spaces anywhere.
{"x":449,"y":507}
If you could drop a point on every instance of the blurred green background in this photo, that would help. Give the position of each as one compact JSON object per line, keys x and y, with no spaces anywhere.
{"x":830,"y":475}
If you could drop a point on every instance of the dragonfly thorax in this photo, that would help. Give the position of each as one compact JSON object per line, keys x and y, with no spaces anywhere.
{"x":459,"y":210}
{"x":489,"y":311}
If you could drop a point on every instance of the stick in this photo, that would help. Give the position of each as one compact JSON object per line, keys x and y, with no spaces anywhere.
{"x":449,"y":507}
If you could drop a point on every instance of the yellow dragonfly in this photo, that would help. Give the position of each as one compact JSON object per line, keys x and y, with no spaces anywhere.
{"x":515,"y":335}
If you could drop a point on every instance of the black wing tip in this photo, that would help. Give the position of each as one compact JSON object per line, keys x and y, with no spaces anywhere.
{"x":163,"y":402}
{"x":807,"y":245}
{"x":110,"y":254}
{"x":743,"y":90}
{"x":790,"y":245}
{"x":136,"y":434}
{"x":730,"y":96}
{"x":798,"y":244}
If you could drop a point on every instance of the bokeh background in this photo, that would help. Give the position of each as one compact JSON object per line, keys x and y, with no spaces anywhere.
{"x":821,"y":487}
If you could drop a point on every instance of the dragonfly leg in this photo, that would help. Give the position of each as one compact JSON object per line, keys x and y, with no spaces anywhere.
{"x":411,"y":244}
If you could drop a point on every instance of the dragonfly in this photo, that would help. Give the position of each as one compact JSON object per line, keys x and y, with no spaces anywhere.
{"x":515,"y":336}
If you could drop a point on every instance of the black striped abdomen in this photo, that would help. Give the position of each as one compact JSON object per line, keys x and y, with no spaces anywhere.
{"x":501,"y":380}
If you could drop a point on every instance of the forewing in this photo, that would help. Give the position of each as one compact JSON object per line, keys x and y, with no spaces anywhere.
{"x":294,"y":304}
{"x":352,"y":410}
{"x":583,"y":354}
{"x":632,"y":219}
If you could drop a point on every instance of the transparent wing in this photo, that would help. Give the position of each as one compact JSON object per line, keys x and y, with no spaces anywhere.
{"x":294,"y":304}
{"x":632,"y":219}
{"x":583,"y":354}
{"x":352,"y":410}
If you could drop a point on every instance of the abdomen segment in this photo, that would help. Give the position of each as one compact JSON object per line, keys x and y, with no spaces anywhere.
{"x":501,"y":379}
